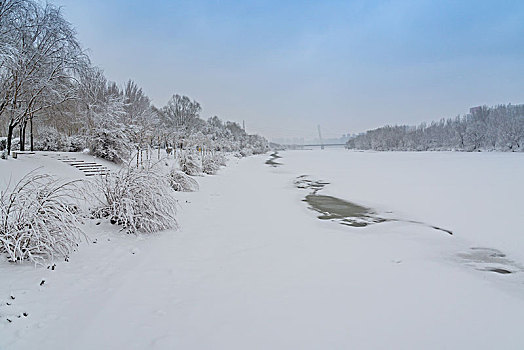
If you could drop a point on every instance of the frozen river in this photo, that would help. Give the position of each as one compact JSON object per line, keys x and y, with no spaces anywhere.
{"x":478,"y":196}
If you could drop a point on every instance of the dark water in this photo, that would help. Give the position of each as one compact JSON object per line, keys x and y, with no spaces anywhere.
{"x":345,"y":212}
{"x":272,"y":160}
{"x":350,"y":214}
{"x":332,"y":208}
{"x":491,"y":260}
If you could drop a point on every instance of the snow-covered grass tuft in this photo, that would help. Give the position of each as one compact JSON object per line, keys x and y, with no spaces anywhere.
{"x":38,"y":219}
{"x":190,"y":164}
{"x":181,"y":182}
{"x":139,"y":199}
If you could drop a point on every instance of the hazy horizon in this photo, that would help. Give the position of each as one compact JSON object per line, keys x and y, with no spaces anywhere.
{"x":284,"y":67}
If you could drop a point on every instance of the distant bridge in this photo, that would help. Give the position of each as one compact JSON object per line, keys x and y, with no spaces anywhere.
{"x":296,"y":146}
{"x":325,"y":145}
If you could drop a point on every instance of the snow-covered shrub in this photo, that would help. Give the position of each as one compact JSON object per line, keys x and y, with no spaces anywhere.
{"x":190,"y":164}
{"x":181,"y":182}
{"x":38,"y":219}
{"x":112,"y":145}
{"x":246,"y":152}
{"x":76,"y":143}
{"x":211,"y":163}
{"x":257,"y":144}
{"x":139,"y":199}
{"x":221,"y":159}
{"x":3,"y":143}
{"x":3,"y":147}
{"x":15,"y":144}
{"x":49,"y":139}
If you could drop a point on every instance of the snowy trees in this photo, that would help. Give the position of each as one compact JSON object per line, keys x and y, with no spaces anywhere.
{"x":496,"y":128}
{"x":180,"y":119}
{"x":48,"y":86}
{"x":511,"y":132}
{"x":101,"y":109}
{"x":141,"y":119}
{"x":39,"y":60}
{"x":182,"y":114}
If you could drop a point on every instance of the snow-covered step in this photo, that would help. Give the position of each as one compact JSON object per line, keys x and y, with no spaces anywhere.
{"x":92,"y":167}
{"x":76,"y":165}
{"x":86,"y":165}
{"x":88,"y":168}
{"x":96,"y":174}
{"x":94,"y":170}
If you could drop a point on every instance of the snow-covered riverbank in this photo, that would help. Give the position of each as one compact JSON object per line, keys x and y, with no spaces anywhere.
{"x":252,"y":267}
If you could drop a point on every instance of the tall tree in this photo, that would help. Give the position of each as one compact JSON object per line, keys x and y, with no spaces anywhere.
{"x":40,"y":60}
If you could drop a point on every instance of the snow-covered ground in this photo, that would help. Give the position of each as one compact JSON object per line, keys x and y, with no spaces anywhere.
{"x":253,"y":268}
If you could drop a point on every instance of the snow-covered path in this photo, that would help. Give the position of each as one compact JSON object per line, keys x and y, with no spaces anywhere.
{"x":252,"y":268}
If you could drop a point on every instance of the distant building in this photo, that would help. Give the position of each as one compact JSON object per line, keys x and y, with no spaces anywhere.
{"x":475,"y":110}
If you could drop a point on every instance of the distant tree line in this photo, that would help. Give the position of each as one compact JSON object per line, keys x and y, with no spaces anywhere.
{"x":53,"y":98}
{"x":485,"y":128}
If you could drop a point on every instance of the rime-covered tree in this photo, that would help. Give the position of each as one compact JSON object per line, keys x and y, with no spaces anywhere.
{"x":485,"y":128}
{"x":40,"y":59}
{"x":182,"y":114}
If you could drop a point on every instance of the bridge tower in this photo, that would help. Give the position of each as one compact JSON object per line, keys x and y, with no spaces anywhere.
{"x":320,"y":137}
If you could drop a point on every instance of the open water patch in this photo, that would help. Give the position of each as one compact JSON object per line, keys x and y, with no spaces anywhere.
{"x":272,"y":160}
{"x":345,"y":212}
{"x":491,"y":260}
{"x":336,"y":209}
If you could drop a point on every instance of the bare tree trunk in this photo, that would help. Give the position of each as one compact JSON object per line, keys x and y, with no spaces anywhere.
{"x":9,"y":138}
{"x":31,"y":133}
{"x":20,"y":138}
{"x":22,"y":135}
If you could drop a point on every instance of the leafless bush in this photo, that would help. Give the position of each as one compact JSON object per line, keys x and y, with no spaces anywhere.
{"x":139,"y":199}
{"x":38,"y":219}
{"x":181,"y":182}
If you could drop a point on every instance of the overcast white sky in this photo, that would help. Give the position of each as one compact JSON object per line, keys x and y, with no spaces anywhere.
{"x":286,"y":66}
